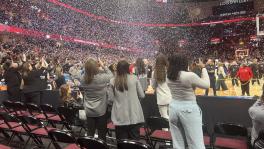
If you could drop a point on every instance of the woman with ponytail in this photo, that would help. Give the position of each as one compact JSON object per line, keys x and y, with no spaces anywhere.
{"x":256,"y":112}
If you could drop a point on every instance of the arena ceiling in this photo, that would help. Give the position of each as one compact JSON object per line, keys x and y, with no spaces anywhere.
{"x":148,"y":11}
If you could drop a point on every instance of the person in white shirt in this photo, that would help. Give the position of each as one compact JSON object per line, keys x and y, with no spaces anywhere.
{"x":185,"y":116}
{"x":158,"y":82}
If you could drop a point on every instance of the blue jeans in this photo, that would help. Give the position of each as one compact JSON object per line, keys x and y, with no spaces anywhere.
{"x":186,"y":125}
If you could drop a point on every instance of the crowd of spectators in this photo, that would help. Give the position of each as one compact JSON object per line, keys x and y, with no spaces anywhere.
{"x":50,"y":18}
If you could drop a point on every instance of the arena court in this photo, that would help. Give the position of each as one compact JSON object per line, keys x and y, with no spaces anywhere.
{"x":255,"y":90}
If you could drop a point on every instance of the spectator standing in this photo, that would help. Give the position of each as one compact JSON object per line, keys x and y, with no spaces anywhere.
{"x":32,"y":82}
{"x":185,"y":116}
{"x":127,"y":114}
{"x":13,"y":80}
{"x":59,"y":79}
{"x":94,"y":85}
{"x":159,"y":84}
{"x":141,"y":72}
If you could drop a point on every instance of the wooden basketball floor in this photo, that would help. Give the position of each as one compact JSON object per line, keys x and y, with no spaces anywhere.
{"x":255,"y":90}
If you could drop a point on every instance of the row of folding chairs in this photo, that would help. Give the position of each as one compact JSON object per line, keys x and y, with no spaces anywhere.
{"x":224,"y":135}
{"x":153,"y":131}
{"x":59,"y":136}
{"x":61,"y":115}
{"x":33,"y":121}
{"x":32,"y":127}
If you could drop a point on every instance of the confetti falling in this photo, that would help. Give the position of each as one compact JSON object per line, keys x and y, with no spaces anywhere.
{"x":48,"y":17}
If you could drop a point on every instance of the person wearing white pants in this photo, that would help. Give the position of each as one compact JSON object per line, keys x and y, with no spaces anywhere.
{"x":158,"y":82}
{"x":186,"y":123}
{"x":185,"y":116}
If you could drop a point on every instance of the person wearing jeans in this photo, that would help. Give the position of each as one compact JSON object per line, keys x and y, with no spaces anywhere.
{"x":186,"y":123}
{"x":185,"y":116}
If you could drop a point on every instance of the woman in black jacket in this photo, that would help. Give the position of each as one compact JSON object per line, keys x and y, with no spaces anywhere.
{"x":33,"y":82}
{"x":13,"y":80}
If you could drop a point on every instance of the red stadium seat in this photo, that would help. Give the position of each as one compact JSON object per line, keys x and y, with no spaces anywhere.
{"x":155,"y":130}
{"x":231,"y":143}
{"x":4,"y":147}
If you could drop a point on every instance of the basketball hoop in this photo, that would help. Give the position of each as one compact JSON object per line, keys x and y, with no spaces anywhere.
{"x":241,"y":53}
{"x":260,"y":24}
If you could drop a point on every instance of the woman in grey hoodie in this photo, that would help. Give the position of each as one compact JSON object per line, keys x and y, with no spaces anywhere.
{"x":256,"y":112}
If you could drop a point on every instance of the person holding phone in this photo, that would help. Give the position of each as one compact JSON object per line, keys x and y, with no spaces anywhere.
{"x":185,"y":116}
{"x":94,"y":87}
{"x":33,"y":81}
{"x":127,"y":114}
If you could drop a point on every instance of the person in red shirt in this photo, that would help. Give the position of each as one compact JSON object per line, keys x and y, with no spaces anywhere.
{"x":244,"y":74}
{"x":132,"y":68}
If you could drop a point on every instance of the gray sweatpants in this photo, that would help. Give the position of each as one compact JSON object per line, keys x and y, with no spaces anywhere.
{"x":186,"y":125}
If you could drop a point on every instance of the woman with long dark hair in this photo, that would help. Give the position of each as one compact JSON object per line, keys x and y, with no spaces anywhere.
{"x":185,"y":116}
{"x":32,"y":82}
{"x":256,"y":112}
{"x":159,"y":84}
{"x":141,"y":72}
{"x":127,"y":114}
{"x":94,"y":85}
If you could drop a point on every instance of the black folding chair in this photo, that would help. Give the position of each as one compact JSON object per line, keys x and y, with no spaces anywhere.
{"x":13,"y":125}
{"x":89,"y":143}
{"x":128,"y":144}
{"x":228,"y":135}
{"x":155,"y":130}
{"x":63,"y":136}
{"x":35,"y":111}
{"x":36,"y":129}
{"x":259,"y":142}
{"x":9,"y":106}
{"x":16,"y":108}
{"x":51,"y":114}
{"x":69,"y":118}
